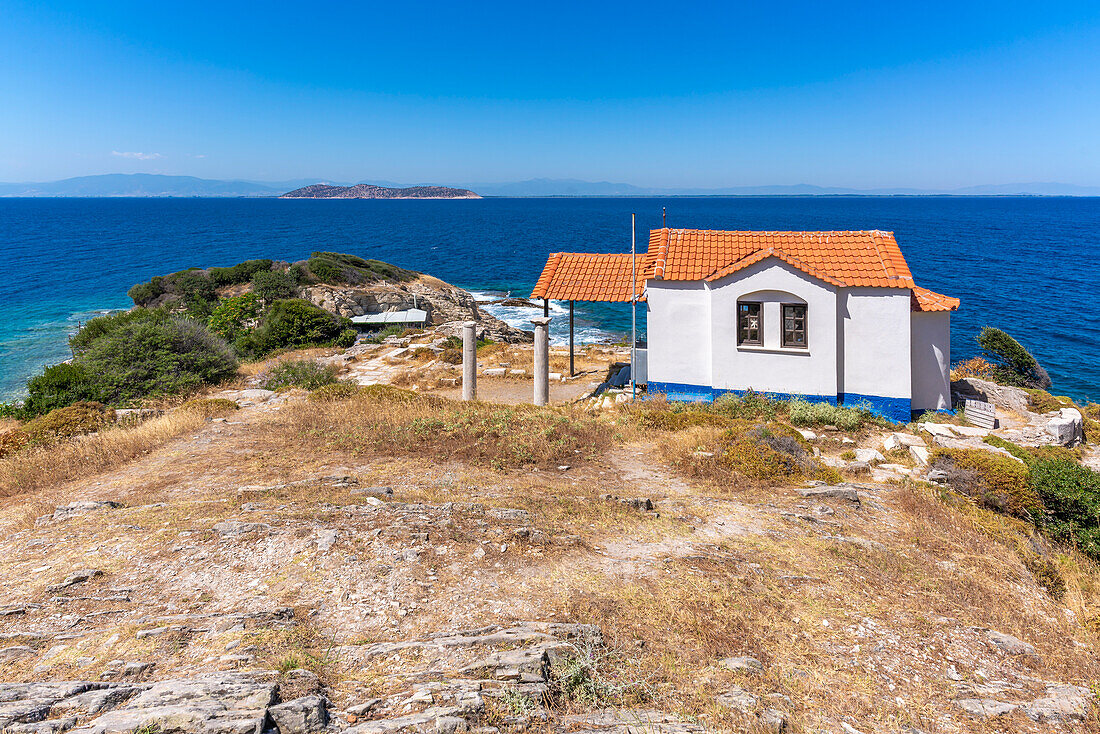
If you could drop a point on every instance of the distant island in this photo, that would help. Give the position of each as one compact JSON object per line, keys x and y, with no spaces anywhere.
{"x":368,"y":191}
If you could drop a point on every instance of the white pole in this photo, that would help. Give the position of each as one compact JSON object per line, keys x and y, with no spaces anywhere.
{"x":542,"y":359}
{"x":469,"y":360}
{"x":633,"y":312}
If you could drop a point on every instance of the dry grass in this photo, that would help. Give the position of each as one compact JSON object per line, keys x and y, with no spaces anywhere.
{"x":44,"y":466}
{"x":389,"y":421}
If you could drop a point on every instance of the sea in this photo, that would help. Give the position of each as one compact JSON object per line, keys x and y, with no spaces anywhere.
{"x":1028,"y":265}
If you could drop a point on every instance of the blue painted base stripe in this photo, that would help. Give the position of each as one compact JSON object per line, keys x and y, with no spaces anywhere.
{"x":896,"y":409}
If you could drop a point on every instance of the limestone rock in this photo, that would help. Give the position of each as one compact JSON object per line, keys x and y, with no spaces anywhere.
{"x":902,"y":440}
{"x":1067,"y":428}
{"x":937,"y":429}
{"x":79,"y":507}
{"x":985,"y":707}
{"x":231,"y":528}
{"x":869,"y":456}
{"x":839,"y":491}
{"x":1062,"y":704}
{"x":737,"y":699}
{"x":920,"y":454}
{"x":1009,"y":644}
{"x":305,"y":715}
{"x":742,"y":664}
{"x":628,"y":721}
{"x":74,"y":578}
{"x":1003,"y":396}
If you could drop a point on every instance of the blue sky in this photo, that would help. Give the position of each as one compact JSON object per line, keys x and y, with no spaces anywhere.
{"x":859,"y":94}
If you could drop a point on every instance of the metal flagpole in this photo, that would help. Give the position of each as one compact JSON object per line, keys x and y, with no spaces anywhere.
{"x":633,"y":312}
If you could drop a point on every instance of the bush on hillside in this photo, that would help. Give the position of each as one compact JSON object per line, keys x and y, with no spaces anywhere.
{"x":73,"y":420}
{"x":270,"y":286}
{"x":996,"y":482}
{"x":295,"y":323}
{"x":239,"y":273}
{"x":58,"y":386}
{"x":1071,"y":499}
{"x":303,"y":373}
{"x":337,"y":268}
{"x":235,"y":316}
{"x":1013,"y":365}
{"x":152,"y":357}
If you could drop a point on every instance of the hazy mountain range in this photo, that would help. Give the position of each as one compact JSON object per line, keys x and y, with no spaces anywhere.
{"x":155,"y":185}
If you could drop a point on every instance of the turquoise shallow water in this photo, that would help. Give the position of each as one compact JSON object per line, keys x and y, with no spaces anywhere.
{"x":1026,"y":264}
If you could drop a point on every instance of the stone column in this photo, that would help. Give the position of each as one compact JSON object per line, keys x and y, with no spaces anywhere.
{"x":469,"y":360}
{"x":542,"y":359}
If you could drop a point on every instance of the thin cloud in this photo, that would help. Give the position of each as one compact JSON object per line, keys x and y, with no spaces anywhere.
{"x":137,"y":156}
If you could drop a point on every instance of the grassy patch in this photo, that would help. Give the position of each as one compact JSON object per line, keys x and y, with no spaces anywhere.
{"x":37,"y":467}
{"x":209,"y":407}
{"x":391,"y":421}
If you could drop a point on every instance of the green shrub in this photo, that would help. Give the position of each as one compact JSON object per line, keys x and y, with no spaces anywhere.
{"x":271,"y":286}
{"x":804,"y":413}
{"x":1013,"y":365}
{"x":1071,"y":500}
{"x":235,"y":316}
{"x":304,"y":373}
{"x":101,"y":325}
{"x":1042,"y":401}
{"x":150,"y":357}
{"x":346,"y":338}
{"x":294,"y":323}
{"x":993,"y":481}
{"x":239,"y":273}
{"x":58,"y":386}
{"x":143,"y":294}
{"x":337,"y":268}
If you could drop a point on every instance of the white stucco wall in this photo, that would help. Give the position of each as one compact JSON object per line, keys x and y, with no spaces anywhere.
{"x":678,"y":332}
{"x":771,"y":367}
{"x":875,"y":332}
{"x":931,"y":360}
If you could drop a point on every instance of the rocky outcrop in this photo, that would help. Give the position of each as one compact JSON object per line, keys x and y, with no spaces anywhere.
{"x":1008,"y":398}
{"x":493,"y":674}
{"x":447,"y":306}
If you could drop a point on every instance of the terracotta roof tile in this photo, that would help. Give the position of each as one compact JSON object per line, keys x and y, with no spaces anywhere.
{"x":926,"y":300}
{"x":844,"y":259}
{"x":574,"y":276}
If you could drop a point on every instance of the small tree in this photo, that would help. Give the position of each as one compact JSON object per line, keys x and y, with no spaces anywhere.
{"x":271,"y":286}
{"x":235,"y":316}
{"x":1013,"y":365}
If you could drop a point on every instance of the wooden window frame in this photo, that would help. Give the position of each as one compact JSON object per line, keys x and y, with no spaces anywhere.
{"x":759,"y":341}
{"x":805,"y":326}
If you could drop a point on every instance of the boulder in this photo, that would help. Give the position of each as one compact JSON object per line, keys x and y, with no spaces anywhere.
{"x":1068,"y":428}
{"x":1062,"y":704}
{"x":985,"y":707}
{"x":1003,"y":396}
{"x":305,"y":715}
{"x":229,"y":528}
{"x":937,"y":476}
{"x":920,"y":454}
{"x":1009,"y":644}
{"x":74,"y":578}
{"x":902,"y":440}
{"x":971,"y":431}
{"x":807,"y":434}
{"x":938,"y":429}
{"x":869,"y":456}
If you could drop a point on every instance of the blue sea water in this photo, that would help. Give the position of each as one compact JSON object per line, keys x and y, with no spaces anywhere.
{"x":1028,"y":265}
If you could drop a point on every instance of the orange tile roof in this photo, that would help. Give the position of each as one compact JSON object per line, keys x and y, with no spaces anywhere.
{"x":926,"y":300}
{"x":578,"y":276}
{"x":843,"y":259}
{"x":868,"y":258}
